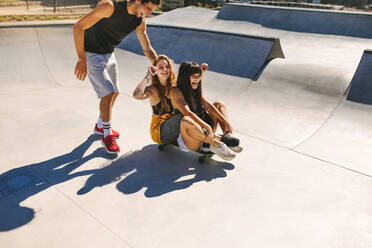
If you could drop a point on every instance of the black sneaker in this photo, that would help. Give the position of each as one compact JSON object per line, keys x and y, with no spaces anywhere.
{"x":205,"y":148}
{"x":232,"y":142}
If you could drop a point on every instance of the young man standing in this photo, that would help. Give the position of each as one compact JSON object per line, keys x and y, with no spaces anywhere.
{"x":95,"y":36}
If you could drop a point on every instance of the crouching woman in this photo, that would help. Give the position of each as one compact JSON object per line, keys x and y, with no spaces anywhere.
{"x":155,"y":86}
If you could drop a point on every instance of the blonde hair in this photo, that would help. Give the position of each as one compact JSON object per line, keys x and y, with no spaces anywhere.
{"x":164,"y":90}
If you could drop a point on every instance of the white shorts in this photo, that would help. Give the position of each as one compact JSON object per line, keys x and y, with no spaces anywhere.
{"x":102,"y":73}
{"x":182,"y":145}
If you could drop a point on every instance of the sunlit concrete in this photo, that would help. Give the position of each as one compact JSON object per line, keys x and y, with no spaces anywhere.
{"x":303,"y":180}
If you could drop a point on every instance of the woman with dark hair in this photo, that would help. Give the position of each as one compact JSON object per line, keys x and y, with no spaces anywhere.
{"x":160,"y":78}
{"x":200,"y":116}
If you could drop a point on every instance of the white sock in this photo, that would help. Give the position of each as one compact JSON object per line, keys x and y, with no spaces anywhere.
{"x":99,"y":122}
{"x":106,"y":128}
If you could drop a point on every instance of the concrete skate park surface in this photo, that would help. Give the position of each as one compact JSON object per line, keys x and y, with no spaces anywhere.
{"x":303,"y":180}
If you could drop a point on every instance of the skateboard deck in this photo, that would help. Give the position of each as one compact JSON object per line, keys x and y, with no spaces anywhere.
{"x":203,"y":156}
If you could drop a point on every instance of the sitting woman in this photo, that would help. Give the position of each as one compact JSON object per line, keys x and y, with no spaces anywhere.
{"x":201,"y":118}
{"x":160,"y":78}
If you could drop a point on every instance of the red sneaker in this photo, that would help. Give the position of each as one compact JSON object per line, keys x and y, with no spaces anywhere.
{"x":110,"y":144}
{"x":99,"y":131}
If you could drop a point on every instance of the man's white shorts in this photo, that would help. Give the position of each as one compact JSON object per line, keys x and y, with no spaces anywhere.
{"x":103,"y":73}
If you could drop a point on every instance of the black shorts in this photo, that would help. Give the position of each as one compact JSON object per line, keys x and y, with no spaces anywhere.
{"x":170,"y":129}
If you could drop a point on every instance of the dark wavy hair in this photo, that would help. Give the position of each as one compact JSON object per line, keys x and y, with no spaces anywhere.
{"x":192,"y":97}
{"x":171,"y":81}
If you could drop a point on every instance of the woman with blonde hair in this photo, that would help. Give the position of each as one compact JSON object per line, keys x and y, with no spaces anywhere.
{"x":155,"y":86}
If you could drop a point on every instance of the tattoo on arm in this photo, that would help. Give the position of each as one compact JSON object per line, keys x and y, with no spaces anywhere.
{"x":141,"y":91}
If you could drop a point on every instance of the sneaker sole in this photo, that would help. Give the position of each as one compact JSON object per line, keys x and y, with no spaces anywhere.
{"x":101,"y":134}
{"x":108,"y":151}
{"x":236,"y":149}
{"x":223,"y":157}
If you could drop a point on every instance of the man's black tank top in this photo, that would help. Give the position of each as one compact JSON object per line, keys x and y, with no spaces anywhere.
{"x":106,"y":34}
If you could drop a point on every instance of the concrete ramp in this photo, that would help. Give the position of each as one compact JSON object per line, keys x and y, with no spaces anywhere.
{"x":288,"y":103}
{"x":16,"y":65}
{"x":305,"y":147}
{"x":229,"y":53}
{"x":345,"y":139}
{"x":34,"y":59}
{"x":301,"y":20}
{"x":361,"y":85}
{"x":292,"y":98}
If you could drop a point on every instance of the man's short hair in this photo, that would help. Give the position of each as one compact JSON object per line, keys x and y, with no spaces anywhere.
{"x":157,"y":2}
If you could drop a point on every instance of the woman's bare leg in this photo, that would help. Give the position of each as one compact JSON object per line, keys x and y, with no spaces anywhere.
{"x":192,"y":134}
{"x":223,"y":110}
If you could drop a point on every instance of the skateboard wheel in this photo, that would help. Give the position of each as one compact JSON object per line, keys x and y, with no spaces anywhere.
{"x":201,"y":160}
{"x":161,"y":147}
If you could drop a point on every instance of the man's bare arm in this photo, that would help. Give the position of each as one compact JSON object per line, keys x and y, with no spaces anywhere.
{"x":104,"y":9}
{"x":145,"y":42}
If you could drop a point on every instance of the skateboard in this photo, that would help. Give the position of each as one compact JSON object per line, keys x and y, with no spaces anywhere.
{"x":203,"y":156}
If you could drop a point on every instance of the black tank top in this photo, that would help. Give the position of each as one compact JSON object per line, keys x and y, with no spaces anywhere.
{"x":200,"y":111}
{"x":106,"y":34}
{"x":156,"y":108}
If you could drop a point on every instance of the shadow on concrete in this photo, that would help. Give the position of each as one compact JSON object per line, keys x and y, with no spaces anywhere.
{"x":21,"y":183}
{"x":158,"y":172}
